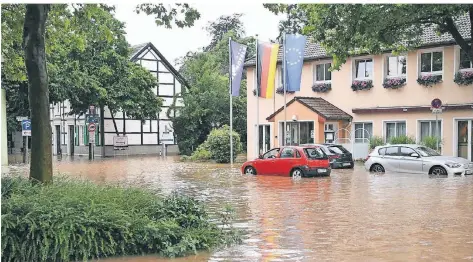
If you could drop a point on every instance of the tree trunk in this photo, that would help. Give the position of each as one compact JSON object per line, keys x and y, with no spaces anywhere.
{"x":41,"y":167}
{"x":114,"y":123}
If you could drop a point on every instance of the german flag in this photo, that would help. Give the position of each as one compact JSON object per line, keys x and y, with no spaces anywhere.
{"x":267,"y":59}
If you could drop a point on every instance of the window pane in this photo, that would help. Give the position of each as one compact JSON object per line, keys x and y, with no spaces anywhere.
{"x":305,"y":134}
{"x":434,"y":131}
{"x":424,"y":130}
{"x":390,"y":131}
{"x":425,"y":62}
{"x":287,"y":153}
{"x":464,"y":60}
{"x":392,"y":151}
{"x":405,"y":151}
{"x":358,"y":131}
{"x":392,"y":66}
{"x":328,"y":74}
{"x":369,"y":130}
{"x":400,"y":129}
{"x":360,"y":68}
{"x":369,"y":68}
{"x":320,"y":72}
{"x":402,"y":64}
{"x":437,"y":61}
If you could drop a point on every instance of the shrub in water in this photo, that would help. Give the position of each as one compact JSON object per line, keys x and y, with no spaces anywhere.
{"x":431,"y":142}
{"x":376,"y":141}
{"x":402,"y":140}
{"x":218,"y":143}
{"x":76,"y":220}
{"x":202,"y":153}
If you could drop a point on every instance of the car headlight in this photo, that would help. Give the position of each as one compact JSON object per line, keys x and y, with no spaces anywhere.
{"x":453,"y":165}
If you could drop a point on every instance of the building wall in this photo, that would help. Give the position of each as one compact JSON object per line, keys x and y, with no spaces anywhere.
{"x":342,"y":96}
{"x":143,"y":137}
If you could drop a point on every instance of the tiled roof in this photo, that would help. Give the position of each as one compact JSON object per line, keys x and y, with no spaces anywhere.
{"x":320,"y":106}
{"x":136,"y":49}
{"x":429,"y":37}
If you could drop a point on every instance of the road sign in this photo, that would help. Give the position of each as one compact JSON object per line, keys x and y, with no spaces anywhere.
{"x":437,"y":110}
{"x":91,"y":119}
{"x":21,"y":118}
{"x":92,"y":109}
{"x":26,"y":127}
{"x":436,"y":103}
{"x":120,"y":142}
{"x":92,"y":137}
{"x":91,"y":128}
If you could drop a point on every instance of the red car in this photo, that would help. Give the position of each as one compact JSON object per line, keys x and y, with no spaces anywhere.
{"x":294,"y":161}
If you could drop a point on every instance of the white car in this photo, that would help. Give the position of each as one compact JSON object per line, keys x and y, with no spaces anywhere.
{"x":416,"y":159}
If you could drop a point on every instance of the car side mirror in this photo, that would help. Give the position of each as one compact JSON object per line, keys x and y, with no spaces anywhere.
{"x":260,"y":157}
{"x":415,"y":155}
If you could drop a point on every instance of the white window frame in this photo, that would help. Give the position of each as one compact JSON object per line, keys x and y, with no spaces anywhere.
{"x":364,"y":133}
{"x":386,"y":67}
{"x":385,"y":122}
{"x":456,"y":60}
{"x":353,"y":68}
{"x":314,"y":71}
{"x":431,"y":50}
{"x":419,"y":128}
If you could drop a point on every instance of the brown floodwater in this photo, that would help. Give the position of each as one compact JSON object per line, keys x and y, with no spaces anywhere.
{"x":350,"y":216}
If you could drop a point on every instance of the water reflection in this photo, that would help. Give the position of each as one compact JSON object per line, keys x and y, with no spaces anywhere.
{"x":349,"y":216}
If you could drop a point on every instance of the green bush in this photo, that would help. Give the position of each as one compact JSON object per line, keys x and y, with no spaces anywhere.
{"x":202,"y":153}
{"x":431,"y":142}
{"x":402,"y":140}
{"x":376,"y":141}
{"x":77,"y":220}
{"x":218,"y":144}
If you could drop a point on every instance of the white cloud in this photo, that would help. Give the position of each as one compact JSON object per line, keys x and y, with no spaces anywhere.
{"x":176,"y":42}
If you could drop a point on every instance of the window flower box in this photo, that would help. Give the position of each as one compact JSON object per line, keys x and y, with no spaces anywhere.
{"x":429,"y":80}
{"x":394,"y":83}
{"x":357,"y":85}
{"x":280,"y":90}
{"x":322,"y":87}
{"x":464,"y":78}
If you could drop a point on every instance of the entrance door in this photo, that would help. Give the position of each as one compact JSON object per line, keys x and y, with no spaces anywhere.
{"x":465,"y":139}
{"x":294,"y":133}
{"x":71,"y":139}
{"x":58,"y":140}
{"x":264,"y":144}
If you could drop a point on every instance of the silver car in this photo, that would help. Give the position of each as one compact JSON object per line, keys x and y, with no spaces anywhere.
{"x":415,"y":159}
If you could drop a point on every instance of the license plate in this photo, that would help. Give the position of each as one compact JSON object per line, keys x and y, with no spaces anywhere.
{"x":322,"y":170}
{"x":346,"y":164}
{"x":468,"y":172}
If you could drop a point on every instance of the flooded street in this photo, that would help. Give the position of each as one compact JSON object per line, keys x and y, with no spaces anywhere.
{"x":350,"y":216}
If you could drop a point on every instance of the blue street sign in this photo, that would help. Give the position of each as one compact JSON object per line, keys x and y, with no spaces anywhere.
{"x":26,"y":125}
{"x":91,"y":119}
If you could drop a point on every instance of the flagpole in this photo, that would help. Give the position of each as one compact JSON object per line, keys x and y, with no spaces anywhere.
{"x":284,"y":86}
{"x":257,"y":99}
{"x":231,"y":98}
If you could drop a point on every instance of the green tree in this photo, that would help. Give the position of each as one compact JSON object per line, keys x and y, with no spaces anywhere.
{"x":75,"y":52}
{"x":347,"y":29}
{"x":207,"y":101}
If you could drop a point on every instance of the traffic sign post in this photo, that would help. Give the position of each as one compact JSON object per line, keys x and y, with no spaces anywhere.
{"x":91,"y":128}
{"x":25,"y":132}
{"x":436,"y":107}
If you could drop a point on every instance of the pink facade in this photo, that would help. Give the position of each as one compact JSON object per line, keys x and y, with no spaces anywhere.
{"x":406,"y":109}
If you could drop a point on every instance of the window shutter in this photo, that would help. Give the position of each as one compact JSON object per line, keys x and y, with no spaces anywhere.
{"x":86,"y":136}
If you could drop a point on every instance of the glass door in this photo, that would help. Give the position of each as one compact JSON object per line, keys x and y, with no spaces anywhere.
{"x":264,"y":144}
{"x":465,"y":139}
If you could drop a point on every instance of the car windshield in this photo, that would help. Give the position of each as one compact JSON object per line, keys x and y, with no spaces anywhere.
{"x":339,"y":150}
{"x":425,"y":151}
{"x":314,"y":153}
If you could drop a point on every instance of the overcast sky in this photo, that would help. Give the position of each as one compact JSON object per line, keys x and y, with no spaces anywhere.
{"x":176,"y":42}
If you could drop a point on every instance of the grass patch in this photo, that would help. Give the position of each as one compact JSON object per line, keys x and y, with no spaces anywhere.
{"x":72,"y":220}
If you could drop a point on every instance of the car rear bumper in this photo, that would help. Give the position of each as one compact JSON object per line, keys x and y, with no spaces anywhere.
{"x":317,"y":172}
{"x":342,"y":164}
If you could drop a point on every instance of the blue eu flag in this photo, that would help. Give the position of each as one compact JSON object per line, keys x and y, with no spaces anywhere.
{"x":294,"y":51}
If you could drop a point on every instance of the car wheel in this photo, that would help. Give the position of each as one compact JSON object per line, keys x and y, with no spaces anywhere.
{"x":377,"y":168}
{"x":250,"y":171}
{"x":439,"y":171}
{"x":296,"y":173}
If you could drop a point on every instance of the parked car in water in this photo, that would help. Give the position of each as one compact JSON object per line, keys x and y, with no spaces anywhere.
{"x":338,"y":155}
{"x":293,"y":161}
{"x":415,"y":159}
